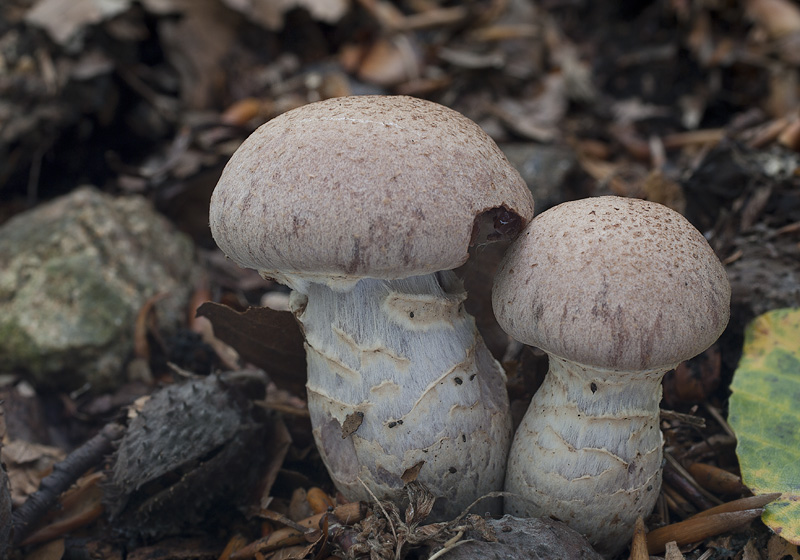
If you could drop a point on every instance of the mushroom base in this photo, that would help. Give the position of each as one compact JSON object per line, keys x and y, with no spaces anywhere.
{"x":400,"y":380}
{"x":588,"y":452}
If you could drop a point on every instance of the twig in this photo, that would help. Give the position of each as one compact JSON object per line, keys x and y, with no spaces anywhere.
{"x":690,"y":479}
{"x":715,"y":413}
{"x":64,"y":475}
{"x":380,"y":505}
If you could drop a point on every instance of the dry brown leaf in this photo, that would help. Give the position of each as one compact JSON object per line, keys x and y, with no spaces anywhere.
{"x":658,"y":187}
{"x":27,"y":464}
{"x":235,"y":543}
{"x":177,"y":549}
{"x":54,"y":550}
{"x":537,"y":118}
{"x":270,"y":13}
{"x":196,"y":45}
{"x":299,"y":508}
{"x":411,"y":473}
{"x":777,"y":17}
{"x":672,"y":552}
{"x":390,"y":62}
{"x":780,"y":549}
{"x":351,"y":423}
{"x":63,"y":20}
{"x":266,"y":338}
{"x":751,"y":550}
{"x":790,"y":137}
{"x":319,"y":501}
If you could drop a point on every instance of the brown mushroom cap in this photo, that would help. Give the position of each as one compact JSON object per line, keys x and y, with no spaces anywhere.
{"x":367,"y":186}
{"x":615,"y":283}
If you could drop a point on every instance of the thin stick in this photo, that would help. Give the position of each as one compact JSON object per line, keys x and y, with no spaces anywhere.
{"x":380,"y":505}
{"x":715,"y":413}
{"x":685,"y":474}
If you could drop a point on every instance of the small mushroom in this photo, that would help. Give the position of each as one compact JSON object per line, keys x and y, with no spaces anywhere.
{"x":617,"y":291}
{"x":363,"y":206}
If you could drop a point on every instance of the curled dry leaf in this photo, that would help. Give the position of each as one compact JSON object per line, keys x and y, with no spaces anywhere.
{"x":271,"y":14}
{"x":264,"y":337}
{"x":777,"y":17}
{"x":64,"y":19}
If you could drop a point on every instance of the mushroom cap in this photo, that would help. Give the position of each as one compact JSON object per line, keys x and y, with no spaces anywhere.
{"x":615,"y":283}
{"x":362,"y":186}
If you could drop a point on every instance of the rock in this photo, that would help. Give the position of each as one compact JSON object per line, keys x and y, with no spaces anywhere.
{"x":75,"y":273}
{"x":546,"y":170}
{"x":526,"y":539}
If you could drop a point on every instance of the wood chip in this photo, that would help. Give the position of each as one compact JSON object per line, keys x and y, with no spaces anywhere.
{"x":351,"y":423}
{"x":410,"y":474}
{"x":698,"y":528}
{"x":639,"y":542}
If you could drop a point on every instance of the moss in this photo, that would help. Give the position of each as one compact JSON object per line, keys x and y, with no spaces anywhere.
{"x":17,"y":349}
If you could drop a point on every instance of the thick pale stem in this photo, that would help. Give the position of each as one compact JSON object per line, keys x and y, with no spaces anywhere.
{"x":399,"y":377}
{"x":588,"y":451}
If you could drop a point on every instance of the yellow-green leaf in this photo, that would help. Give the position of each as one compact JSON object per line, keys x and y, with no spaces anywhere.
{"x":765,"y":414}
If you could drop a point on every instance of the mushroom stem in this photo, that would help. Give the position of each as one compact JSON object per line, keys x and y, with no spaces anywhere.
{"x":398,"y":376}
{"x":589,"y":445}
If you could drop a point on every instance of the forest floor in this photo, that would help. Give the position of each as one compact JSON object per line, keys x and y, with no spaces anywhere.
{"x":694,"y":104}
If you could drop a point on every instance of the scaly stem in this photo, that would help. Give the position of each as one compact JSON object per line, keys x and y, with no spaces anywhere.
{"x":588,"y":451}
{"x":397,"y":376}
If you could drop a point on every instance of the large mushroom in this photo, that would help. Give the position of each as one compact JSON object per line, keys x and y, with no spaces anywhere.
{"x":363,"y":206}
{"x":617,"y":291}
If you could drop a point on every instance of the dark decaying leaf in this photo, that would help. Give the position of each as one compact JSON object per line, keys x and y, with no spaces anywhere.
{"x":352,"y":423}
{"x":195,"y":450}
{"x":264,"y":337}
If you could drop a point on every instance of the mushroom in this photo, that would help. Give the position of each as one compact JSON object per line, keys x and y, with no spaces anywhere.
{"x":617,"y":292}
{"x":363,"y":206}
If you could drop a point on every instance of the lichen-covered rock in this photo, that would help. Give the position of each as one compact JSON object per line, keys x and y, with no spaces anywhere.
{"x":193,"y":447}
{"x":75,"y":273}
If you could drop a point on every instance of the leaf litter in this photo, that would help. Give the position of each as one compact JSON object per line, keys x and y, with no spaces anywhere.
{"x":152,"y":97}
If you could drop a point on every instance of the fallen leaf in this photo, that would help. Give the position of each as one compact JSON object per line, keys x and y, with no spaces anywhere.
{"x":411,"y":473}
{"x":65,"y":19}
{"x":269,"y":339}
{"x":352,"y":423}
{"x":27,"y":464}
{"x":766,"y":418}
{"x":270,"y":13}
{"x":778,"y":17}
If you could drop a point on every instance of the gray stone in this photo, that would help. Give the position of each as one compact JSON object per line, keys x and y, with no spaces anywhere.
{"x":544,"y":168}
{"x":526,"y":539}
{"x":74,"y":273}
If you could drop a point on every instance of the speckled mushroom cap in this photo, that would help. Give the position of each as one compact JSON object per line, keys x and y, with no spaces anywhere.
{"x":364,"y":186}
{"x":615,"y":283}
